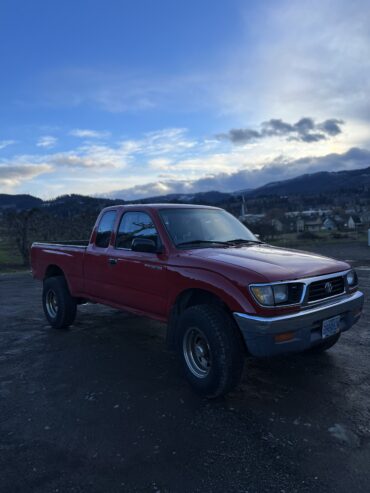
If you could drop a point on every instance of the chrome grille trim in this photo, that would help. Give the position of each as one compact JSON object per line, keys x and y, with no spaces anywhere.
{"x":317,"y":289}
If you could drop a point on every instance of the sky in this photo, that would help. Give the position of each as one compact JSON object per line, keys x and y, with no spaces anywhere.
{"x":131,"y":99}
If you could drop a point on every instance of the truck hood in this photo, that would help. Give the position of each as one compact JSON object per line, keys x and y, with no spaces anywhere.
{"x":275,"y":264}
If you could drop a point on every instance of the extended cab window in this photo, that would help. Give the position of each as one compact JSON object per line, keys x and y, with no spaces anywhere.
{"x":135,"y":225}
{"x":105,"y":229}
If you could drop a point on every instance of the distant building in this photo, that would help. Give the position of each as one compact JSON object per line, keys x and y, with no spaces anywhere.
{"x":308,"y":213}
{"x":252,"y":218}
{"x":311,"y":224}
{"x":365,"y":217}
{"x":278,"y":225}
{"x":300,"y":225}
{"x":330,"y":224}
{"x":353,"y":222}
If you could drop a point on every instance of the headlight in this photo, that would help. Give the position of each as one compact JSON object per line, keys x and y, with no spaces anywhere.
{"x":351,"y":278}
{"x":276,"y":294}
{"x":263,"y":295}
{"x":280,"y":293}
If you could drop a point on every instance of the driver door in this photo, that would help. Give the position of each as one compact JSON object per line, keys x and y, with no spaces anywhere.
{"x":139,"y":278}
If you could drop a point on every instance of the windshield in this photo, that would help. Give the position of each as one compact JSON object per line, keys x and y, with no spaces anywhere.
{"x":190,"y":228}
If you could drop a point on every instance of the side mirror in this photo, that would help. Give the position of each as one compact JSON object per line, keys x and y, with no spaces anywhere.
{"x":144,"y":245}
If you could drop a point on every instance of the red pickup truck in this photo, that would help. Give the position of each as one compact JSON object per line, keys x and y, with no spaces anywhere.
{"x":223,"y":293}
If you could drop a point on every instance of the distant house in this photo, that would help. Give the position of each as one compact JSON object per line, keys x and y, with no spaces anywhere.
{"x":278,"y":225}
{"x":313,"y":224}
{"x":308,"y":213}
{"x":300,"y":225}
{"x":365,"y":217}
{"x":330,"y":224}
{"x":252,"y":218}
{"x":353,"y":222}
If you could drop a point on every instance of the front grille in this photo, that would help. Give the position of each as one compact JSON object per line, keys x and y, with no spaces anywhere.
{"x":319,"y":290}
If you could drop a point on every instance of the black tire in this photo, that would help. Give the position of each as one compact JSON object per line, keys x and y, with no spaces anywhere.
{"x":58,"y":304}
{"x":324,"y":346}
{"x":219,"y":342}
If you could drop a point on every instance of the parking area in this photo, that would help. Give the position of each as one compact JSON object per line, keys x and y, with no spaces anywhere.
{"x":103,"y":407}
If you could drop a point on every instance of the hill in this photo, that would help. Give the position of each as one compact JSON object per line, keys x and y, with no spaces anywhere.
{"x":19,"y":202}
{"x":212,"y":197}
{"x":324,"y":182}
{"x":318,"y":183}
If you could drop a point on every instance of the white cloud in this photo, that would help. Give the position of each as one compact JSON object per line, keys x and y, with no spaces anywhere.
{"x":88,"y":133}
{"x":6,"y":143}
{"x":47,"y":141}
{"x":306,"y":58}
{"x":90,"y":156}
{"x":15,"y":173}
{"x":160,"y":163}
{"x":248,"y":177}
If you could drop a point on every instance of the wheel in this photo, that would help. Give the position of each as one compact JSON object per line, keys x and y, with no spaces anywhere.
{"x":59,"y":306}
{"x":210,"y":349}
{"x":324,"y":346}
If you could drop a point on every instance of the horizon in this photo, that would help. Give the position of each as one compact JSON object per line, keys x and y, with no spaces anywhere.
{"x":145,"y":100}
{"x":233,"y":192}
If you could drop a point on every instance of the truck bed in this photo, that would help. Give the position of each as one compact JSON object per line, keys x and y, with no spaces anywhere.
{"x":68,"y":256}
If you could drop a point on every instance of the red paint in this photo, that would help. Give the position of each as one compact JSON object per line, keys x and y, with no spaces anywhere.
{"x":149,"y":284}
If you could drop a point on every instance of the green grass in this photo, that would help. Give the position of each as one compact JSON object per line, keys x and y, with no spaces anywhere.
{"x":10,"y":259}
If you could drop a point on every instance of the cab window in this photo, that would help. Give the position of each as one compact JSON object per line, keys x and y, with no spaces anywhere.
{"x":105,"y":229}
{"x":135,"y":225}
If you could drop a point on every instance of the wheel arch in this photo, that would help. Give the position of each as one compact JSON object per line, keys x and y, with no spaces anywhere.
{"x":187,"y":298}
{"x":53,"y":270}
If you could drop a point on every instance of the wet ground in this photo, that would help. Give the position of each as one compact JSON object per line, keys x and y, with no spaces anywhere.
{"x":103,"y":407}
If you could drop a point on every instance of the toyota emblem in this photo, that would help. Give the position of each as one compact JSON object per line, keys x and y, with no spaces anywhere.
{"x":328,"y":287}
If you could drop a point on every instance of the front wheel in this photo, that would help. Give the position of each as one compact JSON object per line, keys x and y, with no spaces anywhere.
{"x":210,"y":349}
{"x":58,"y":304}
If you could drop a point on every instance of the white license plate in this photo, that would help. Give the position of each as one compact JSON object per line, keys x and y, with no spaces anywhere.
{"x":330,"y":327}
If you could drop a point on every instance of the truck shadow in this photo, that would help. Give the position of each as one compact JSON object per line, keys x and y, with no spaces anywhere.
{"x":127,"y":354}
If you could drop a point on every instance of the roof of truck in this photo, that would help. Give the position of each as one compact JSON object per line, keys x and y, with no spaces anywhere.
{"x":162,"y":206}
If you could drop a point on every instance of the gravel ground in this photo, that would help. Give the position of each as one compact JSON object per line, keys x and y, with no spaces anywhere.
{"x":103,"y":407}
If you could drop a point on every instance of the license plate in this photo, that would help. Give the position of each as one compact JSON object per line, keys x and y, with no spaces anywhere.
{"x":330,"y":327}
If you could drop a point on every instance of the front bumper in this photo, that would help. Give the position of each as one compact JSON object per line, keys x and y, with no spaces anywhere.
{"x":260,"y":332}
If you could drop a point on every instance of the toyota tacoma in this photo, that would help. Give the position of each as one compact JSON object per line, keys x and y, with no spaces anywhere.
{"x":223,"y":293}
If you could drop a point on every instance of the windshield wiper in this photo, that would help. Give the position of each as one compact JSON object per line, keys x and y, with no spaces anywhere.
{"x":199,"y":242}
{"x":240,"y":241}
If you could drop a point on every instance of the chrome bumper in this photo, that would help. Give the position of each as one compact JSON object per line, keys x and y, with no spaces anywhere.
{"x":259,"y":332}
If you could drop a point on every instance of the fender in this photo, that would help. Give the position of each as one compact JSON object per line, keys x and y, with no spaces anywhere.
{"x":215,"y":283}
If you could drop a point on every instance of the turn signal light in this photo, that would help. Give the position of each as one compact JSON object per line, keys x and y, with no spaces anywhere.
{"x":284,"y":337}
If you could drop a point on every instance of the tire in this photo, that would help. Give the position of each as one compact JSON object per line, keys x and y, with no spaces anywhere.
{"x":211,"y":350}
{"x":324,"y":346}
{"x":58,"y":304}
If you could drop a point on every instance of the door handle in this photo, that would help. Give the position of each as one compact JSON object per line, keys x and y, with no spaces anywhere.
{"x":112,"y":261}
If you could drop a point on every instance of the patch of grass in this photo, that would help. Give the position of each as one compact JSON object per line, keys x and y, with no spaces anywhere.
{"x":10,"y":259}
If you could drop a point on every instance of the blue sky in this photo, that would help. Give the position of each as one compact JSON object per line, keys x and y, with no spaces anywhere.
{"x":148,"y":97}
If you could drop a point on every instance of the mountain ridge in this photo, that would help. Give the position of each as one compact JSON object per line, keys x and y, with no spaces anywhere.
{"x":306,"y":184}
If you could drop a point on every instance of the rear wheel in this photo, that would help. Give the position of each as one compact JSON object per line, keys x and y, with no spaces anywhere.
{"x":324,"y":346}
{"x":210,"y":349}
{"x":58,"y":304}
